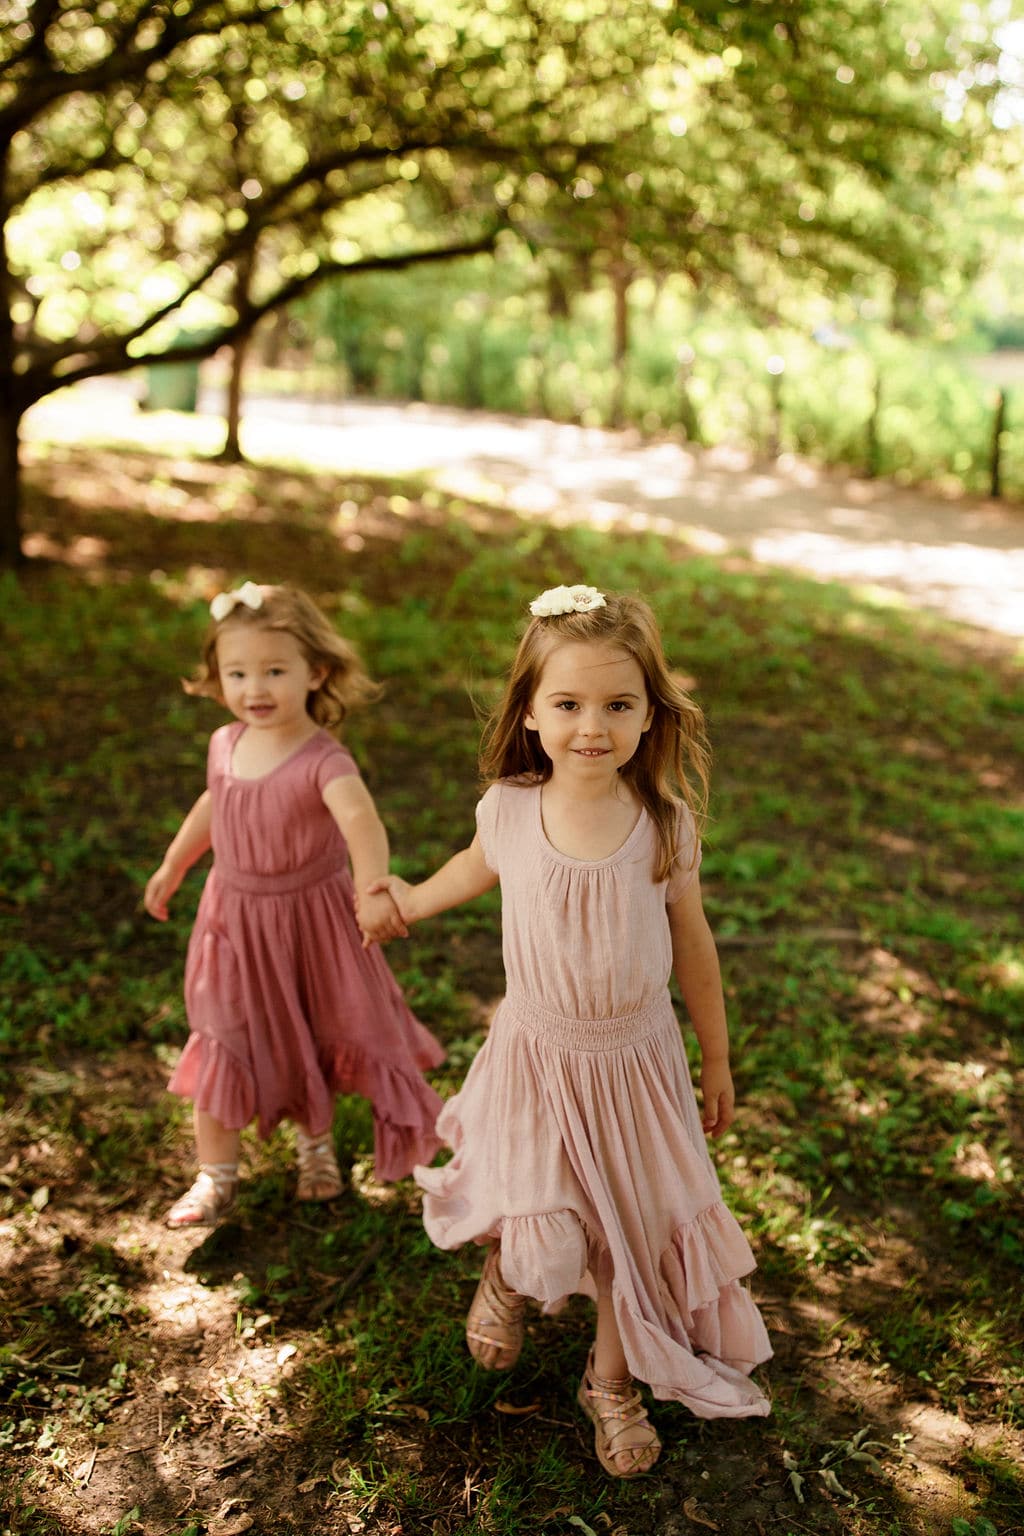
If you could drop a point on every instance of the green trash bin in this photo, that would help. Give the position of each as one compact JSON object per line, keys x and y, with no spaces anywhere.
{"x":171,"y":387}
{"x":175,"y":386}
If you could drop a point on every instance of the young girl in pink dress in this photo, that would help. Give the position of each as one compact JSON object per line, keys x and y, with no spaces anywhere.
{"x":579,"y":1151}
{"x":290,"y":1001}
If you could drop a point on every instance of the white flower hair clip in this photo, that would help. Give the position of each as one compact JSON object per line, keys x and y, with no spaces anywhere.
{"x":558,"y":600}
{"x":225,"y":603}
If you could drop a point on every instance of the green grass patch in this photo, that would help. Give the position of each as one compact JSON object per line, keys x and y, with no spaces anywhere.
{"x":862,"y":870}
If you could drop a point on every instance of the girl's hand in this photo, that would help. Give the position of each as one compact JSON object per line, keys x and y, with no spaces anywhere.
{"x":719,"y":1097}
{"x":379,"y":918}
{"x":159,"y":890}
{"x":400,"y":892}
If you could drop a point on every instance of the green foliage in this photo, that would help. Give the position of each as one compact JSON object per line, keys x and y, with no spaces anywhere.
{"x":881,"y":402}
{"x":612,"y":130}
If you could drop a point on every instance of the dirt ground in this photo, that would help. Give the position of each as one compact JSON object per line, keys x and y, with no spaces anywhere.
{"x":214,"y":1431}
{"x":176,"y":1366}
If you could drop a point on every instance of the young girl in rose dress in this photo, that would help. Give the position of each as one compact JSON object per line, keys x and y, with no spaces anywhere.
{"x":579,"y":1151}
{"x":290,"y":1001}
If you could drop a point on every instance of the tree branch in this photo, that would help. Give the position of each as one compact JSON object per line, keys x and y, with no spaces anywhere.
{"x":114,"y":357}
{"x":122,"y":66}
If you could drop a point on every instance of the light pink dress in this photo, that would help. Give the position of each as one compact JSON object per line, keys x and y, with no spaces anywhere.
{"x":576,"y":1135}
{"x":285,"y":1007}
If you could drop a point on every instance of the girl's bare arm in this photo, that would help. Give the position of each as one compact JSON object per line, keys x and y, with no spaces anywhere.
{"x":695,"y":963}
{"x":351,"y":804}
{"x":464,"y":876}
{"x":189,"y":843}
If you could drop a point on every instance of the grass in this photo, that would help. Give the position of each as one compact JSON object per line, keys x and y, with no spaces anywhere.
{"x":863,"y":874}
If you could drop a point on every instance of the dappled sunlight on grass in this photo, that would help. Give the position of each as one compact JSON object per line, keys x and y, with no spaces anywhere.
{"x":862,"y":868}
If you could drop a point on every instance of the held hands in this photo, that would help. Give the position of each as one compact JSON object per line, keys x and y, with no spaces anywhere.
{"x":378,"y":916}
{"x":719,"y":1097}
{"x":401,"y":893}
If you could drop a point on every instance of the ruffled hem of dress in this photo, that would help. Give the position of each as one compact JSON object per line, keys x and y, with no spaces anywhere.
{"x":720,"y":1337}
{"x":405,"y":1107}
{"x":405,"y":1110}
{"x":216,"y":1082}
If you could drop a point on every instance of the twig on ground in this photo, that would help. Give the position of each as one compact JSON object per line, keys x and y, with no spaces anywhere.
{"x":337,"y":1296}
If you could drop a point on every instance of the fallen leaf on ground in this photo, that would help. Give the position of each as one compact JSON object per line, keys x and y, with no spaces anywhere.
{"x":503,"y":1407}
{"x":833,"y":1484}
{"x":581,"y":1525}
{"x":414,"y":1408}
{"x":692,"y":1510}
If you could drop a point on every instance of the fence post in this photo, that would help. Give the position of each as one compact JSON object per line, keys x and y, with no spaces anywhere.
{"x":998,"y":428}
{"x":776,"y":366}
{"x":874,"y":454}
{"x":689,"y":421}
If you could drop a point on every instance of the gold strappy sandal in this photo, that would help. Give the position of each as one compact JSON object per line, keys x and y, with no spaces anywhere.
{"x":212,"y":1194}
{"x":319,"y":1174}
{"x":495,"y":1320}
{"x":613,"y":1407}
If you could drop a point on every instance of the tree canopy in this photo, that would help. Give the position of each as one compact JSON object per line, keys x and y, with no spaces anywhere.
{"x":173,"y":170}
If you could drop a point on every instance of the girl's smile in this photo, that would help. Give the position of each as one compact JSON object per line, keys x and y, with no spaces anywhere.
{"x":590,"y":706}
{"x":265,"y":678}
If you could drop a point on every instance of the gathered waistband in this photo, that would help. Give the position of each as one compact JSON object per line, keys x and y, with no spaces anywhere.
{"x":609,"y":1034}
{"x":326,"y":867}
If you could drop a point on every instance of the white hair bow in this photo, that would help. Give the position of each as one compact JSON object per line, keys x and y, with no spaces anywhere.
{"x":224,"y":603}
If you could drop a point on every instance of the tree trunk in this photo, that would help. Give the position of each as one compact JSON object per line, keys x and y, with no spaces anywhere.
{"x":276,"y":339}
{"x":11,"y":410}
{"x":995,"y":484}
{"x":11,"y":553}
{"x":232,"y":446}
{"x":622,"y":277}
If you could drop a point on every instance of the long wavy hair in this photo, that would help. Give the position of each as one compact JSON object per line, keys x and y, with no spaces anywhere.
{"x":293,"y":612}
{"x":672,"y":762}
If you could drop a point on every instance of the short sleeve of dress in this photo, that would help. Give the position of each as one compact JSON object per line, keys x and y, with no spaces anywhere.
{"x":334,"y":762}
{"x":218,"y":753}
{"x":688,"y":855}
{"x":487,"y":826}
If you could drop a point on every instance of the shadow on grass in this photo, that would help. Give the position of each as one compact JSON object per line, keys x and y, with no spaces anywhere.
{"x":303,"y":1367}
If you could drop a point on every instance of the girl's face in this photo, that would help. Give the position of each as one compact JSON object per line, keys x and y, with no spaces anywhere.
{"x":590,"y":708}
{"x":265,"y":678}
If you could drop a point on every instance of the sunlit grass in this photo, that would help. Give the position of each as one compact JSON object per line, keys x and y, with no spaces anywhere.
{"x":862,"y":869}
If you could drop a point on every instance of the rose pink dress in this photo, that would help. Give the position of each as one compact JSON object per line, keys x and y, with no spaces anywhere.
{"x":576,"y":1135}
{"x":286,"y":1008}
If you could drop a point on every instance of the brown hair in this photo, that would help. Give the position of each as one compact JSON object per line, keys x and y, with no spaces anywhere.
{"x":672,"y":751}
{"x":287,"y":609}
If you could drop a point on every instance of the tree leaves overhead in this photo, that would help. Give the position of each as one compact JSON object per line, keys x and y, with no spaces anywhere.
{"x":154,"y":144}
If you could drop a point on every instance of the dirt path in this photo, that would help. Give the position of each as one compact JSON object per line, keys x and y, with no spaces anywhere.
{"x":963,"y":558}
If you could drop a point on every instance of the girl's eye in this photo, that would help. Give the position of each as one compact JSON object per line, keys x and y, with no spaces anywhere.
{"x":620,"y":706}
{"x":566,"y":704}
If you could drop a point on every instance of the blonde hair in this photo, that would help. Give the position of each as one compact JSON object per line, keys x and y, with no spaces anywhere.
{"x":672,"y":762}
{"x":292,"y":612}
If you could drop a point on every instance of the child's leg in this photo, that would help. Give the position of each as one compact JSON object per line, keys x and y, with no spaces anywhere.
{"x":496,"y":1322}
{"x":214,"y":1142}
{"x":217,"y":1180}
{"x":319,"y":1174}
{"x":624,"y":1439}
{"x":608,"y":1358}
